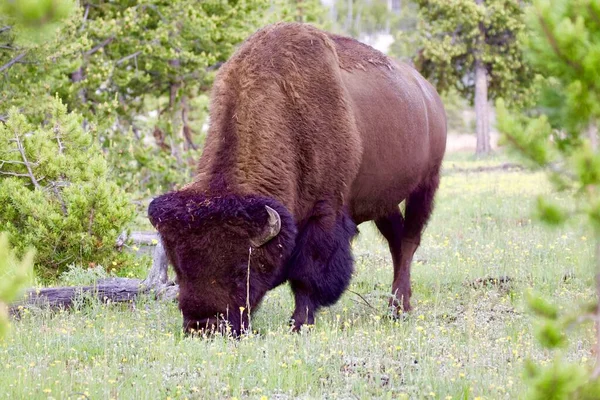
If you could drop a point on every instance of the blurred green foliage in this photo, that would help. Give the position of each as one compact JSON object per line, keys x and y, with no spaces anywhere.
{"x":36,"y":19}
{"x":14,"y":275}
{"x":560,"y":135}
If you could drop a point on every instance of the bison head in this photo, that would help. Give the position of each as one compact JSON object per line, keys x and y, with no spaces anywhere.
{"x":227,"y":252}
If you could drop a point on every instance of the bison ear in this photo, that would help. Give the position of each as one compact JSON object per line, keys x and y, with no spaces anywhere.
{"x":269,"y":231}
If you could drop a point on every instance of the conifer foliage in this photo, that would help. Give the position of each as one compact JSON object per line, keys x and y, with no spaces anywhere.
{"x":564,"y":45}
{"x":55,"y":191}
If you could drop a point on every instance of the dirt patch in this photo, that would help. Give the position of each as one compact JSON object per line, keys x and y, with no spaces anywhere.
{"x":506,"y":167}
{"x":464,"y":142}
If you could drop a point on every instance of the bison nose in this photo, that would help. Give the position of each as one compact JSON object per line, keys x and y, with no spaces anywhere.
{"x":204,"y":325}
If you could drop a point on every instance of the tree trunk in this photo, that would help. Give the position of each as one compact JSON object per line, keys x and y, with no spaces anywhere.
{"x":358,"y":22}
{"x":187,"y":130}
{"x":593,"y":135}
{"x":77,"y":76}
{"x":333,"y":11}
{"x":390,"y":7}
{"x":481,"y":110}
{"x":299,"y":11}
{"x":348,"y":23}
{"x":176,"y":120}
{"x":482,"y":116}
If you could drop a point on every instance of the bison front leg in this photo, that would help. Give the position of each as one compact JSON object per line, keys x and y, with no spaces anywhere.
{"x":321,"y":266}
{"x":306,"y":305}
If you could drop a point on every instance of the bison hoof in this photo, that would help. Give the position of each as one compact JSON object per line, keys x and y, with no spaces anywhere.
{"x":398,"y":314}
{"x":298,"y":326}
{"x":399,"y":310}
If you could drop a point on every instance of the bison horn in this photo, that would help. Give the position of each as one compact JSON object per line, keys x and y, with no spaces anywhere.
{"x":270,"y":231}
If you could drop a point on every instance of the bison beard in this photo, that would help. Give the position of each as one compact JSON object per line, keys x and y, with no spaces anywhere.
{"x":321,"y":266}
{"x":310,"y":135}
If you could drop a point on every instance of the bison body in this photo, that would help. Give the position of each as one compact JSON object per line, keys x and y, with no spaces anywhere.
{"x":310,"y":134}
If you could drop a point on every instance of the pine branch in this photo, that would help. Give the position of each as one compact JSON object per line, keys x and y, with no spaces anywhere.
{"x":363,"y":299}
{"x":13,"y":61}
{"x":122,"y":60}
{"x":2,"y":162}
{"x":26,"y":163}
{"x":14,"y":174}
{"x":554,"y":44}
{"x":215,"y":66}
{"x":85,"y":16}
{"x":102,"y":44}
{"x":595,"y":16}
{"x":63,"y":206}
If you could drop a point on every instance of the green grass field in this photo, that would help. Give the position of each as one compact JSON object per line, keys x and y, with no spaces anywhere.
{"x":466,"y":339}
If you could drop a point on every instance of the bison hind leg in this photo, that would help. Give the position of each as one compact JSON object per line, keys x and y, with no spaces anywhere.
{"x":321,"y":266}
{"x":403,"y":234}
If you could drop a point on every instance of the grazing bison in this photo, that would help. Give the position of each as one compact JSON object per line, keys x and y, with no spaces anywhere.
{"x":310,"y":134}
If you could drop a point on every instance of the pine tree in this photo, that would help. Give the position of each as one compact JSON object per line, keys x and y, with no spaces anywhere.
{"x":56,"y":194}
{"x":474,"y":46}
{"x":37,"y":20}
{"x":564,"y":45}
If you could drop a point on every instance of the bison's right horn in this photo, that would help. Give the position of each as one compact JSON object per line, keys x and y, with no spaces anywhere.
{"x":270,"y":231}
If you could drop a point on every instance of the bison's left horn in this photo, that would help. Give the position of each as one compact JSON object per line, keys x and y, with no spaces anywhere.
{"x":270,"y":231}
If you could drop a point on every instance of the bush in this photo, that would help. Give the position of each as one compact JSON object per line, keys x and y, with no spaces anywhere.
{"x":55,"y":192}
{"x":76,"y":275}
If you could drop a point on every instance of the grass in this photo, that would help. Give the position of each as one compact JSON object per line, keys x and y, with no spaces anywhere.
{"x":466,"y":339}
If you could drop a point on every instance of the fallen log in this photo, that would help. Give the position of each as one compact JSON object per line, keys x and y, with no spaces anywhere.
{"x":115,"y":290}
{"x":138,"y":238}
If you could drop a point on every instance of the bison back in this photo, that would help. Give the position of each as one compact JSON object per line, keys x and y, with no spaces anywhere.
{"x":295,"y":133}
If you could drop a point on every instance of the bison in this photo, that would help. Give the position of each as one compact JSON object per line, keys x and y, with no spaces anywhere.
{"x":310,"y":134}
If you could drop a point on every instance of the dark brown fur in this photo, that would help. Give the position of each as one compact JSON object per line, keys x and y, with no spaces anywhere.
{"x":328,"y":132}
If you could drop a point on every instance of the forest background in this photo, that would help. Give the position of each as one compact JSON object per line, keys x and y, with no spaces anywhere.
{"x":104,"y":104}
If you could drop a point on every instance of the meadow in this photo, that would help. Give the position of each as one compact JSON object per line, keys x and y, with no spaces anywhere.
{"x":467,"y":338}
